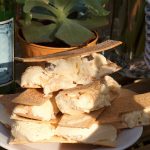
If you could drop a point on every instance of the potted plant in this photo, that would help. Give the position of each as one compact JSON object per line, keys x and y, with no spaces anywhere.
{"x":50,"y":26}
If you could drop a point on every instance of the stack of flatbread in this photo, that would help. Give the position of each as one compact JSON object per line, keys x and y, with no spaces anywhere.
{"x":73,"y":100}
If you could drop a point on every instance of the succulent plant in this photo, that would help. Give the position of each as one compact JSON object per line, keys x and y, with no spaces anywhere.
{"x":70,"y":21}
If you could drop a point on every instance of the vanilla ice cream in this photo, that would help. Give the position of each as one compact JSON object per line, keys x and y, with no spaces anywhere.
{"x":112,"y":84}
{"x":66,"y":73}
{"x":44,"y":112}
{"x":137,"y":118}
{"x":57,"y":83}
{"x":32,"y":131}
{"x":88,"y":135}
{"x":34,"y":77}
{"x":83,"y":99}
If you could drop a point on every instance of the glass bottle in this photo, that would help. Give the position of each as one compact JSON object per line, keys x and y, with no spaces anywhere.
{"x":6,"y":46}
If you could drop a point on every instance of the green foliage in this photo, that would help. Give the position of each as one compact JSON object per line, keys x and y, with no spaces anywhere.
{"x":70,"y":21}
{"x":129,"y":26}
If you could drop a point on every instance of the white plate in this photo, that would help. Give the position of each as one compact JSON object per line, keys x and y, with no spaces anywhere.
{"x":125,"y":139}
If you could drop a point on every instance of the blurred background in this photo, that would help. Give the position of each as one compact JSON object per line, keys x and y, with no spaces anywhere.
{"x":127,"y":24}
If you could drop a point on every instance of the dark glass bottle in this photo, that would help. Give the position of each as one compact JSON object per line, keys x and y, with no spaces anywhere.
{"x":6,"y":46}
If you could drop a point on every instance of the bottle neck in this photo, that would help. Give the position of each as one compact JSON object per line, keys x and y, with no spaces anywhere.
{"x":6,"y":9}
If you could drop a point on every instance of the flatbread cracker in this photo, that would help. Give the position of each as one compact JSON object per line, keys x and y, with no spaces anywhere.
{"x":85,"y":99}
{"x":80,"y":120}
{"x":54,"y":121}
{"x":119,"y":125}
{"x":85,"y":51}
{"x":31,"y":97}
{"x":49,"y":108}
{"x":128,"y":101}
{"x":57,"y":139}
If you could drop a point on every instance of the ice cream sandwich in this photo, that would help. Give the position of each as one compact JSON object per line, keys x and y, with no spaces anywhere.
{"x":87,"y":98}
{"x":67,"y":73}
{"x":34,"y":77}
{"x":130,"y":109}
{"x":32,"y":131}
{"x":92,"y":134}
{"x":34,"y":105}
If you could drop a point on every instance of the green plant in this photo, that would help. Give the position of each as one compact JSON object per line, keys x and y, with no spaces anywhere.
{"x":70,"y":21}
{"x":129,"y":26}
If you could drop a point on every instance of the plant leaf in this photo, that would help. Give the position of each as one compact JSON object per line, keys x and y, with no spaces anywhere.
{"x":95,"y":7}
{"x":43,"y":17}
{"x":103,"y":2}
{"x":23,"y":1}
{"x":30,"y":4}
{"x":65,"y":5}
{"x":74,"y":34}
{"x":62,"y":3}
{"x":28,"y":18}
{"x":46,"y":1}
{"x":75,"y":7}
{"x":93,"y":22}
{"x":37,"y":32}
{"x":20,"y":1}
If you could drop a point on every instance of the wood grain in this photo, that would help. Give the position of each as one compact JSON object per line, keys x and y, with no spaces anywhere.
{"x":106,"y":45}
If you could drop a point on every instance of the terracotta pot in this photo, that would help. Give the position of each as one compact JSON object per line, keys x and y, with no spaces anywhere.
{"x":31,"y":50}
